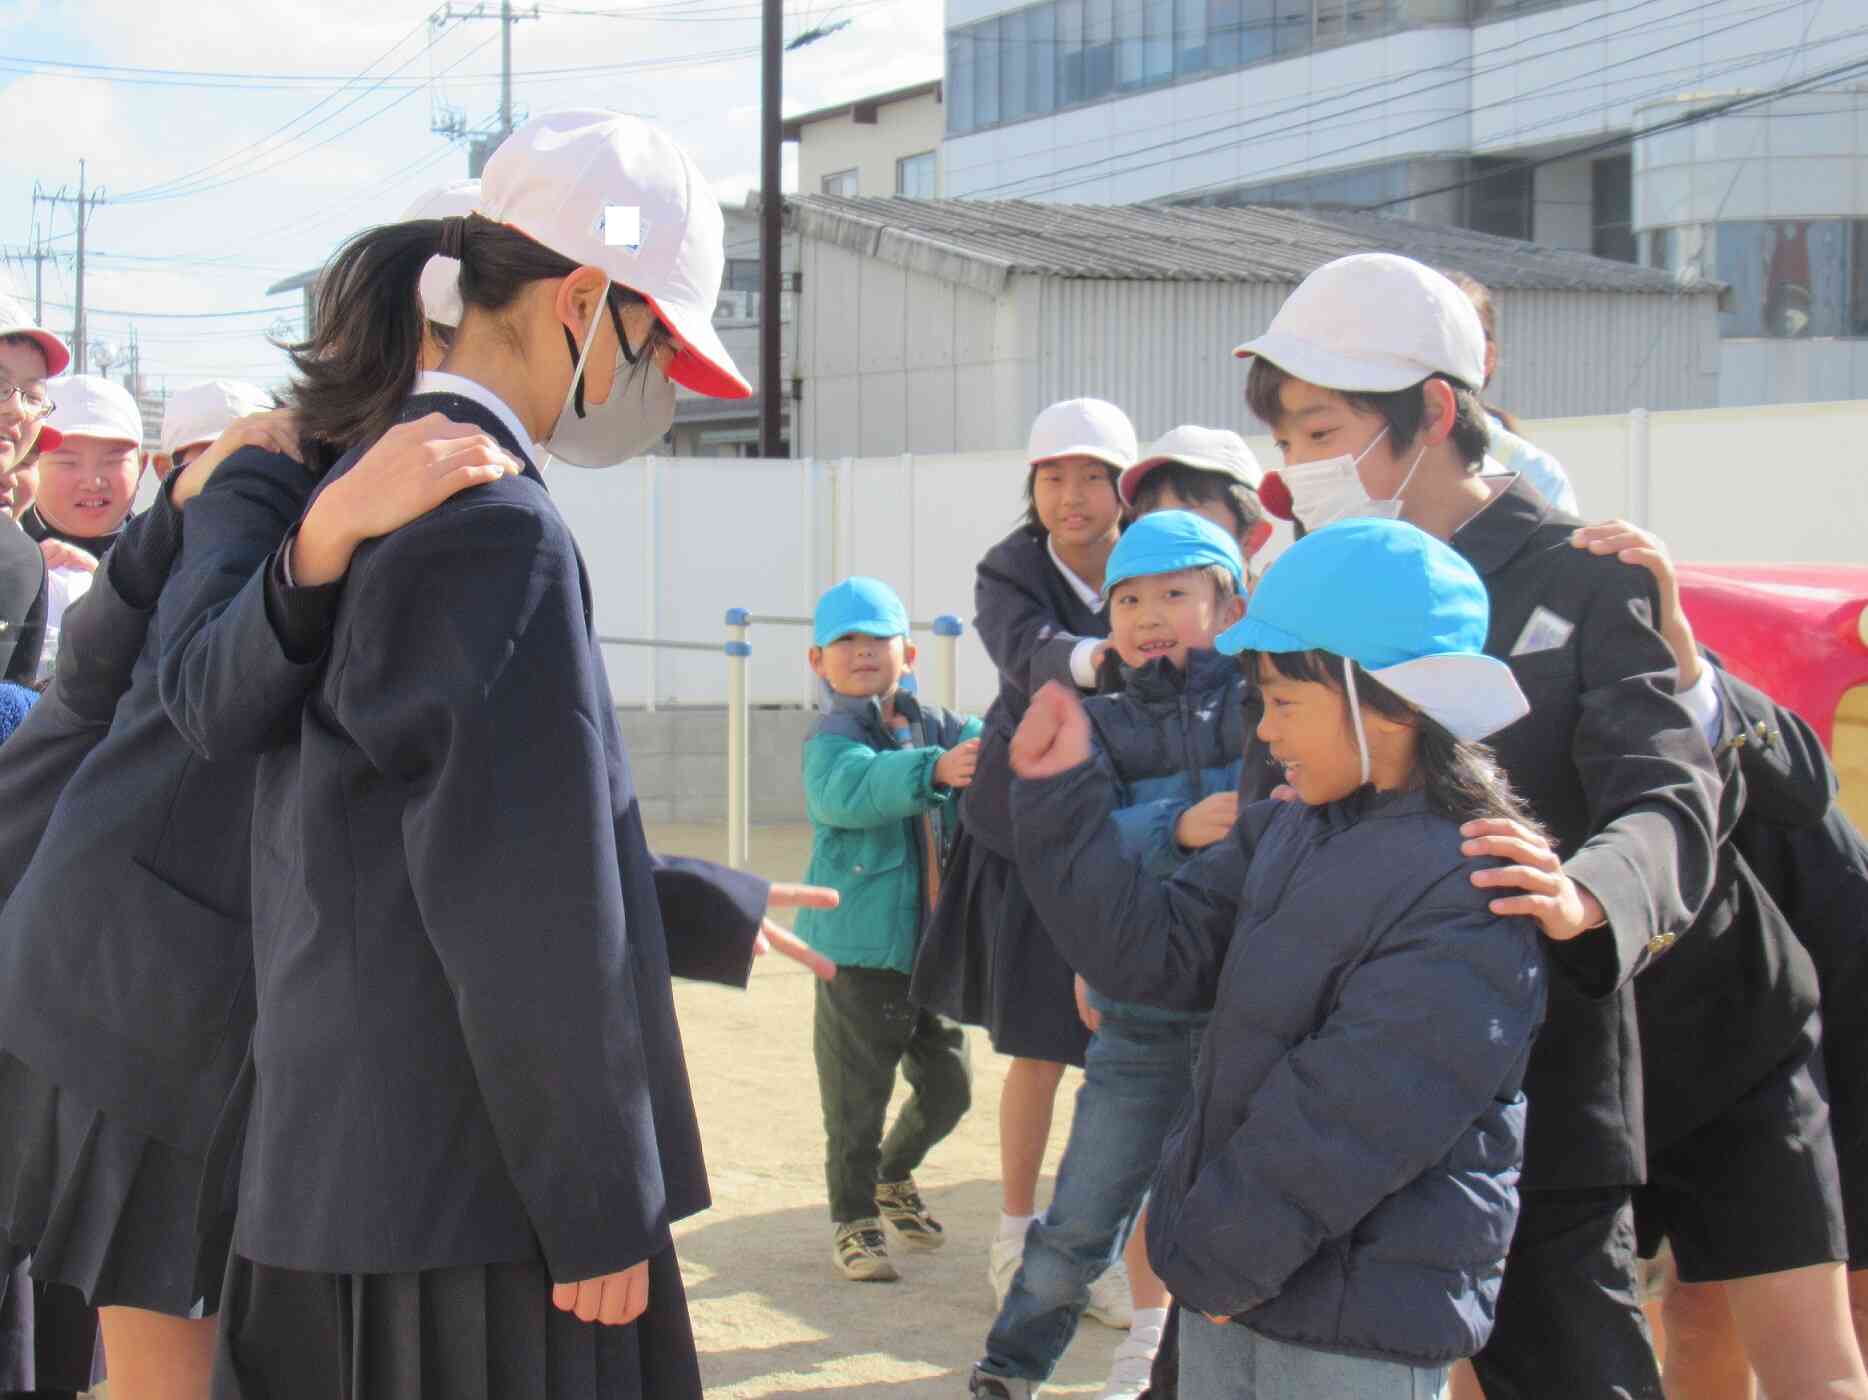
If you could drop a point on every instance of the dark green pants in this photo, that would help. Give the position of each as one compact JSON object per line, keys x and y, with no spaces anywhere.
{"x":864,"y":1028}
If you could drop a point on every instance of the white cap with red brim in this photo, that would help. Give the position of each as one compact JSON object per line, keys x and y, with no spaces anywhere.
{"x":615,"y":192}
{"x":202,"y":412}
{"x":1083,"y":428}
{"x":441,"y":275}
{"x":84,"y":405}
{"x":15,"y":321}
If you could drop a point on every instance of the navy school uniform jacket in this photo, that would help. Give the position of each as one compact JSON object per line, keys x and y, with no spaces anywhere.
{"x":125,"y":952}
{"x":1030,"y":619}
{"x":1345,"y":1175}
{"x":22,"y":603}
{"x":105,"y":631}
{"x":467,"y":1049}
{"x":1618,"y":771}
{"x":1740,"y":964}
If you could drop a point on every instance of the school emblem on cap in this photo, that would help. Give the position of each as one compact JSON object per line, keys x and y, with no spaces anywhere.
{"x":621,"y":226}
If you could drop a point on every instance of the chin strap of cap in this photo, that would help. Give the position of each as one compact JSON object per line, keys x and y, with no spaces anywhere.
{"x":1355,"y":716}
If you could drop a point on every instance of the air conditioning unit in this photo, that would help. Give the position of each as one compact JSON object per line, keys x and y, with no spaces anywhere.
{"x":737,"y":306}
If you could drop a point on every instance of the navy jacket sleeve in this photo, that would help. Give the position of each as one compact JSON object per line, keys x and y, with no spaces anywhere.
{"x":1127,"y":931}
{"x":228,"y":685}
{"x":1424,"y":1034}
{"x":1651,"y":785}
{"x":1788,"y":777}
{"x":711,"y":915}
{"x":474,"y":687}
{"x":1018,"y":626}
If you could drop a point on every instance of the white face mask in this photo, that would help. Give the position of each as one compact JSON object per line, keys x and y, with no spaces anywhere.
{"x":1331,"y":490}
{"x":628,"y":423}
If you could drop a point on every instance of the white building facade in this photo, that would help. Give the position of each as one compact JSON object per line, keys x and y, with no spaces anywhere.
{"x":1504,"y":116}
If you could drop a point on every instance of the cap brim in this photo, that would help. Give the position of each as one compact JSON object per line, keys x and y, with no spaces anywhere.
{"x":1131,"y":481}
{"x":1251,"y":634}
{"x":50,"y":439}
{"x":57,"y":357}
{"x":701,"y":361}
{"x":1096,"y":450}
{"x":103,"y":432}
{"x":1469,"y":694}
{"x":868,"y":627}
{"x":1328,"y":369}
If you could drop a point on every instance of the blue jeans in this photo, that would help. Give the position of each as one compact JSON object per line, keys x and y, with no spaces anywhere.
{"x":1232,"y":1362}
{"x":1136,"y":1077}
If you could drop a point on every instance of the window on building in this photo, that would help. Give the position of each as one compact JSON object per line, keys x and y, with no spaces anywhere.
{"x":1291,"y":26}
{"x":842,"y":182}
{"x":1099,"y":48}
{"x":1158,"y":40}
{"x":958,"y":92}
{"x":1191,"y":52}
{"x":1790,"y":279}
{"x":987,"y":53}
{"x":1131,"y":18}
{"x":742,"y":275}
{"x":1014,"y":75}
{"x":1612,"y":208}
{"x":1345,"y":21}
{"x":1041,"y":60}
{"x":914,"y":176}
{"x":1499,"y":199}
{"x":1073,"y":84}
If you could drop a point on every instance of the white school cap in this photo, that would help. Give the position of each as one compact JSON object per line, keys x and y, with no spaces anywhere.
{"x":202,"y":412}
{"x":1206,"y":449}
{"x":1083,"y":428}
{"x":441,"y":277}
{"x":1374,"y":323}
{"x":15,"y":321}
{"x":85,"y":405}
{"x":616,"y":192}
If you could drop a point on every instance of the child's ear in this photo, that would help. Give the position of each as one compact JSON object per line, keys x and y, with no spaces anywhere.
{"x":817,"y":662}
{"x":909,"y":653}
{"x":1256,"y":538}
{"x":1231,"y":610}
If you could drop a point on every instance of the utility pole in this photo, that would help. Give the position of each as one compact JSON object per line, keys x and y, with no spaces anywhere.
{"x":452,"y":122}
{"x":86,"y":206}
{"x":771,"y":229}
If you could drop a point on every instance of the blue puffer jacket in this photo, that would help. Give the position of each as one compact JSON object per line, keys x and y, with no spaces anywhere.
{"x":1171,"y":738}
{"x":1345,"y":1177}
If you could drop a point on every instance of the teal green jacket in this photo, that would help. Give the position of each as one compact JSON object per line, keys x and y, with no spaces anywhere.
{"x":875,"y":815}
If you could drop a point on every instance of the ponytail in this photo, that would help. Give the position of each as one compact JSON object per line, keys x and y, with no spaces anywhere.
{"x":358,"y":367}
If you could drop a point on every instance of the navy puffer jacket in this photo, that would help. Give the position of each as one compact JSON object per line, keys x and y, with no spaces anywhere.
{"x":1345,"y":1177}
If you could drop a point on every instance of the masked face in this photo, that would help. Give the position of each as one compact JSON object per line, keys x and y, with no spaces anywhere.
{"x":633,"y":417}
{"x":1331,"y":490}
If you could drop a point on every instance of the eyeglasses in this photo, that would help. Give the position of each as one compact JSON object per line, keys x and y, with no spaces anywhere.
{"x":32,"y":399}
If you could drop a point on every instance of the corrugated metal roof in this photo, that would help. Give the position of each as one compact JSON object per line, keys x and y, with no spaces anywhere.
{"x":1147,"y":242}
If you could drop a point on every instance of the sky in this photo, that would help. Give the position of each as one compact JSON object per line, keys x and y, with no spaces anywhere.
{"x":239,"y":143}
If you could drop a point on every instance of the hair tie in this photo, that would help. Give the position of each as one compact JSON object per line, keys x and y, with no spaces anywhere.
{"x":453,"y":237}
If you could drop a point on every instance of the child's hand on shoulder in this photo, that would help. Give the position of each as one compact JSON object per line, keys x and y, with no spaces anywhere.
{"x":59,"y":555}
{"x":955,"y":768}
{"x":1562,"y":908}
{"x":1054,"y":736}
{"x":1092,"y":1018}
{"x":275,"y":430}
{"x":1208,"y":821}
{"x":1646,"y":550}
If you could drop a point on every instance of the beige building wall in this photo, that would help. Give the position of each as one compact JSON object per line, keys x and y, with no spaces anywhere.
{"x":841,"y":143}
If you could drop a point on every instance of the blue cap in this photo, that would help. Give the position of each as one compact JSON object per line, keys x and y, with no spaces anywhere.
{"x":1167,"y":542}
{"x":866,"y":605}
{"x":1394,"y":599}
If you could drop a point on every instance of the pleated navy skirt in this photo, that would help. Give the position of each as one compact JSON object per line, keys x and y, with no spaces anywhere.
{"x":986,"y":960}
{"x":103,"y":1209}
{"x":478,"y":1332}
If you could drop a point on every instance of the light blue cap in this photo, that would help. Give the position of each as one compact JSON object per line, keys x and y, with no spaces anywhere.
{"x":866,"y":605}
{"x":1167,"y":542}
{"x":1394,"y":599}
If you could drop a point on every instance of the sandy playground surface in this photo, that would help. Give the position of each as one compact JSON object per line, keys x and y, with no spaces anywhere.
{"x":773,"y":1317}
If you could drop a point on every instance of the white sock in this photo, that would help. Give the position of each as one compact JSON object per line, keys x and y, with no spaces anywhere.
{"x":1013,"y":1227}
{"x":1145,"y":1329}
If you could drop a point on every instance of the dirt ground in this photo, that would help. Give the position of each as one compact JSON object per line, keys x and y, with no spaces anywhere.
{"x":773,"y":1317}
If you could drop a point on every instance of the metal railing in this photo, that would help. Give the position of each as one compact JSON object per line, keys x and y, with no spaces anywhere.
{"x":737,"y":648}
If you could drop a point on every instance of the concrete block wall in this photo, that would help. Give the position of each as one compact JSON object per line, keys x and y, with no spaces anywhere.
{"x":678,"y":759}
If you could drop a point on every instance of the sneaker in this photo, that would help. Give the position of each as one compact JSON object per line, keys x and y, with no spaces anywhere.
{"x":985,"y":1387}
{"x":1110,"y":1303}
{"x":861,"y":1252}
{"x":1002,"y":1262}
{"x":903,"y":1209}
{"x":1130,"y":1371}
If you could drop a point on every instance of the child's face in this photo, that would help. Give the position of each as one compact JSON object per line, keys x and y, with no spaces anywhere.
{"x":1307,"y":727}
{"x":1318,"y":423}
{"x":22,"y":364}
{"x":1076,"y":500}
{"x":862,"y":666}
{"x":1168,"y":615}
{"x":87,"y":484}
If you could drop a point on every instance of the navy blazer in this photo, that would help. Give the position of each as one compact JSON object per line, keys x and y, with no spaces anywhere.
{"x":1618,"y":771}
{"x":467,"y":1048}
{"x":22,"y":593}
{"x":125,"y":957}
